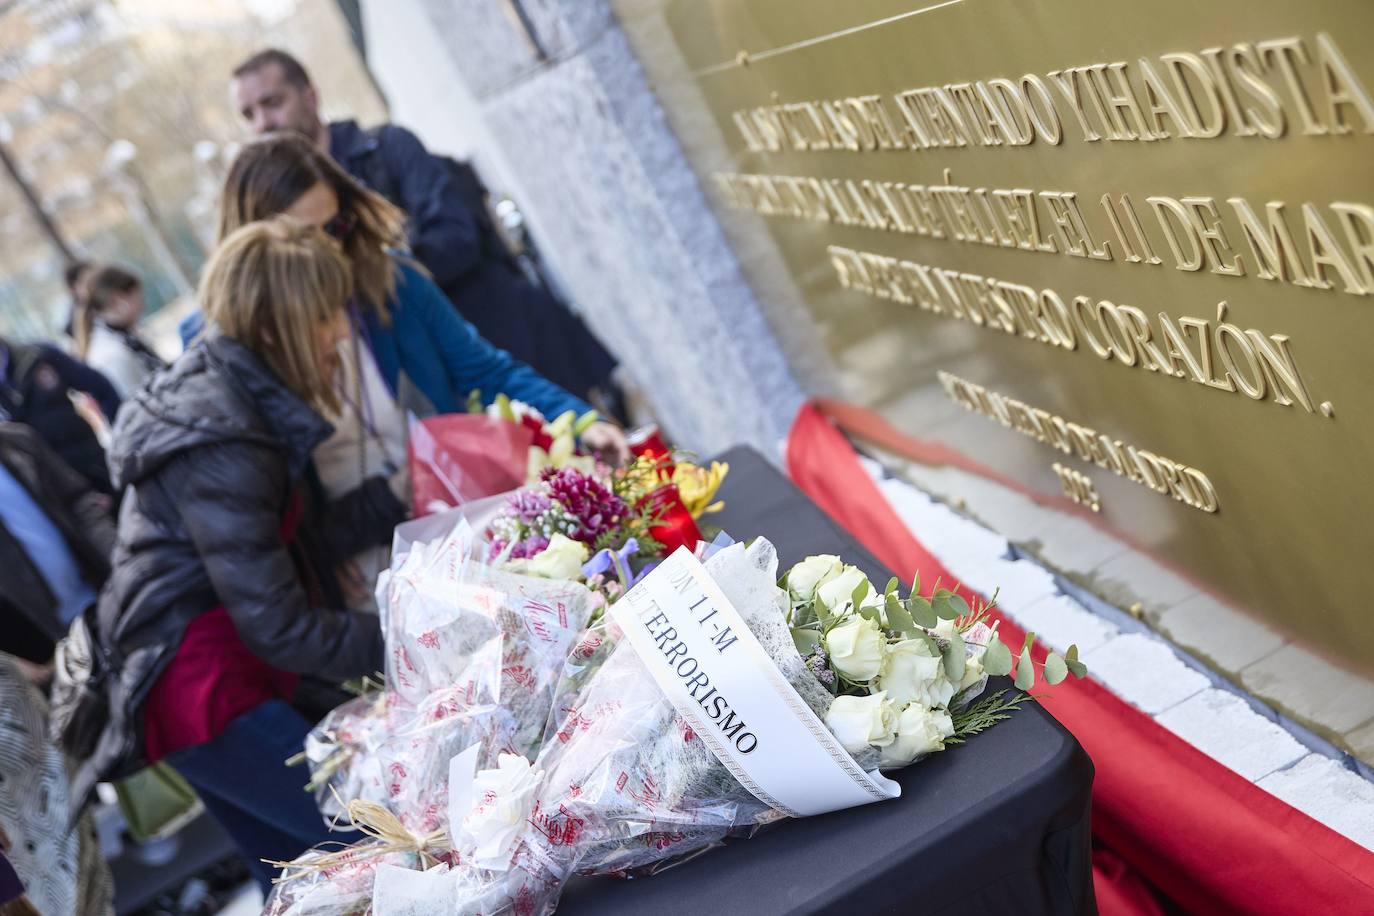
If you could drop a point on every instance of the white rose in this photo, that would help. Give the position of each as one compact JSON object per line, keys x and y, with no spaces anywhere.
{"x":562,"y":559}
{"x":861,"y":721}
{"x":920,"y":730}
{"x":803,"y":578}
{"x":502,"y":798}
{"x":909,"y":671}
{"x":856,"y":648}
{"x":837,"y":590}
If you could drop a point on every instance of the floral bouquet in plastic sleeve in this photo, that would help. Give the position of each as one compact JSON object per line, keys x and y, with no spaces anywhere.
{"x":715,"y":704}
{"x":474,"y":654}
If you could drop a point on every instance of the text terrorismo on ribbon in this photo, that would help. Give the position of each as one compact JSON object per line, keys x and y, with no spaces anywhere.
{"x":676,"y":652}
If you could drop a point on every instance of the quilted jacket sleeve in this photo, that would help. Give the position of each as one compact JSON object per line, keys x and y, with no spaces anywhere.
{"x":230,"y":498}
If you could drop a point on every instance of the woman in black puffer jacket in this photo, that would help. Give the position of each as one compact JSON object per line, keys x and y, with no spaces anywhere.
{"x":217,"y":614}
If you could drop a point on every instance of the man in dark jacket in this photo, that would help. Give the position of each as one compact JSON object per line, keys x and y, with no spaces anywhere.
{"x":34,"y":383}
{"x":56,"y":535}
{"x":448,"y":228}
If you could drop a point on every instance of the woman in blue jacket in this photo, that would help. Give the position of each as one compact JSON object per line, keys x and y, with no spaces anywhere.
{"x":409,"y":351}
{"x":407,"y":323}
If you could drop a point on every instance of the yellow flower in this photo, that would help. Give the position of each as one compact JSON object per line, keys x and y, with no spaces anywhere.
{"x":697,"y":486}
{"x":638,"y":479}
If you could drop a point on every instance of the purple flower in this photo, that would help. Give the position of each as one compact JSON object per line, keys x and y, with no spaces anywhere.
{"x":528,"y":505}
{"x":529,"y":547}
{"x":595,"y":508}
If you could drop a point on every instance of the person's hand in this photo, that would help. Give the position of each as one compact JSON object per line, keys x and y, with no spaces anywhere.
{"x":352,"y":582}
{"x":608,"y":442}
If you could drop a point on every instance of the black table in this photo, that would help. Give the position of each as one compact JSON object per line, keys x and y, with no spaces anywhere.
{"x":997,"y":826}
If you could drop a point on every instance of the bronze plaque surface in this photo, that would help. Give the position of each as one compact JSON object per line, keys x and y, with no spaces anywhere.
{"x":1115,"y":253}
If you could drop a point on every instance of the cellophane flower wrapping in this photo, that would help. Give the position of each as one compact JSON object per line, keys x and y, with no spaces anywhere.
{"x":624,"y":785}
{"x":344,"y":889}
{"x":474,"y":655}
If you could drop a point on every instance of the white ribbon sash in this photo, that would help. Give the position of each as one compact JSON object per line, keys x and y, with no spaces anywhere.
{"x":722,"y":682}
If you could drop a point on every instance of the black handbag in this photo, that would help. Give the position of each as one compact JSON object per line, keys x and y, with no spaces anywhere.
{"x":80,"y":707}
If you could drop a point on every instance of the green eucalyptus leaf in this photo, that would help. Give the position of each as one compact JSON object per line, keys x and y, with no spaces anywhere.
{"x":857,"y":597}
{"x":921,"y":611}
{"x":898,"y":617}
{"x":1071,"y":659}
{"x":892,"y":586}
{"x":959,"y":604}
{"x":997,"y":658}
{"x":943,"y":608}
{"x":819,"y":609}
{"x":871,"y":613}
{"x":915,"y":584}
{"x":808,"y":642}
{"x":1025,"y":671}
{"x":954,"y":658}
{"x":1056,"y":669}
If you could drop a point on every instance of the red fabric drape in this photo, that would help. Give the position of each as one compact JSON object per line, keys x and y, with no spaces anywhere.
{"x":1163,"y":812}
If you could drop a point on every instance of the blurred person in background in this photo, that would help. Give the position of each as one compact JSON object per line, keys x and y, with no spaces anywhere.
{"x":449,"y":229}
{"x":105,"y":329}
{"x":73,"y":275}
{"x":56,"y":535}
{"x":221,"y":612}
{"x":36,"y":381}
{"x":407,"y":349}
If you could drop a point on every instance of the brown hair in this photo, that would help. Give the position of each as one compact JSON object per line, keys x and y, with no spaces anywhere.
{"x":290,"y":67}
{"x":95,"y":289}
{"x":271,"y":173}
{"x":270,"y":286}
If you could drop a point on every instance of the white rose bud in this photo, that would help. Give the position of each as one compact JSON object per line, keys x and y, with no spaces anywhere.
{"x":838,"y":590}
{"x":504,"y":797}
{"x":920,"y":730}
{"x":973,"y":672}
{"x":909,"y":671}
{"x":856,"y":648}
{"x":861,"y":721}
{"x":803,"y":578}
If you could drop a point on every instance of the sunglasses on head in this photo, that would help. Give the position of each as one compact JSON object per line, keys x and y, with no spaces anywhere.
{"x":340,"y":225}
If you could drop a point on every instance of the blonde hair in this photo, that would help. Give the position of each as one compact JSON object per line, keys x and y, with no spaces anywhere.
{"x":270,"y":286}
{"x":96,"y":287}
{"x":271,"y":173}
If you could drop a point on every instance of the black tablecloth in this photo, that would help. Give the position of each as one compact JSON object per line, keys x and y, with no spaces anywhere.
{"x":995,"y":826}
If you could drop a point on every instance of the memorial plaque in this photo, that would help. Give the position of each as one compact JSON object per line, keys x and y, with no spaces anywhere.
{"x":1117,"y":256}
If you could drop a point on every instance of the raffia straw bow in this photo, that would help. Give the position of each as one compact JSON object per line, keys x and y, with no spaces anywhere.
{"x":377,"y":822}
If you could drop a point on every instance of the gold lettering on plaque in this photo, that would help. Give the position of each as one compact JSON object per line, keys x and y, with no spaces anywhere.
{"x":1165,"y":476}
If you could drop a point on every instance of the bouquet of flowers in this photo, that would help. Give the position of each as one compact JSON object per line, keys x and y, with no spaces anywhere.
{"x":648,"y":756}
{"x":473,"y":656}
{"x":553,"y":527}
